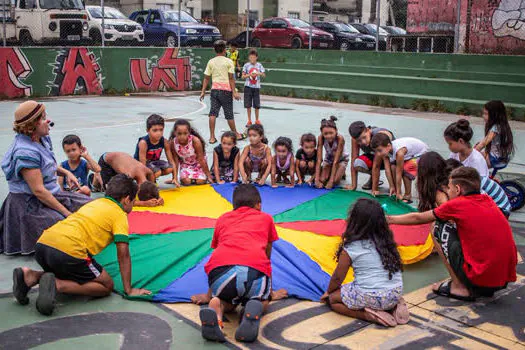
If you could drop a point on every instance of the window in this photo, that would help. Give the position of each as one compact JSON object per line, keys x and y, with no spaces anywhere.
{"x":173,"y":17}
{"x":294,"y":15}
{"x":141,"y":17}
{"x":279,"y":24}
{"x":267,"y":24}
{"x":154,"y":17}
{"x":164,"y":7}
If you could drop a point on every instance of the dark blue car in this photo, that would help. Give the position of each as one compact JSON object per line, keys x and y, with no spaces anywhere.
{"x":161,"y":28}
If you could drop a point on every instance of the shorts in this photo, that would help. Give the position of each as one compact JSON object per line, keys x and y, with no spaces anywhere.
{"x":410,"y":168}
{"x":252,"y":97}
{"x":224,"y":99}
{"x":106,"y":171}
{"x":446,"y":235}
{"x":366,"y":161}
{"x":497,"y":162}
{"x":158,"y":165}
{"x":236,"y":284}
{"x":306,"y":170}
{"x":356,"y":298}
{"x":343,"y":162}
{"x":66,"y":267}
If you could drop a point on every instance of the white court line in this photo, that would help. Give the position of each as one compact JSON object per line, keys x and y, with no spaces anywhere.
{"x":202,"y":104}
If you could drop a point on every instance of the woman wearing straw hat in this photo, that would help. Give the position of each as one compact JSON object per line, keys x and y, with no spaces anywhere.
{"x":35,"y":201}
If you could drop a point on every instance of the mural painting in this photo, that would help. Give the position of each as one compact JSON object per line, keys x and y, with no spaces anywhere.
{"x":15,"y":67}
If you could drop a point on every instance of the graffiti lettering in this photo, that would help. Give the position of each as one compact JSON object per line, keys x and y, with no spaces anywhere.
{"x":509,"y":19}
{"x":76,"y":72}
{"x":15,"y":66}
{"x":166,"y":73}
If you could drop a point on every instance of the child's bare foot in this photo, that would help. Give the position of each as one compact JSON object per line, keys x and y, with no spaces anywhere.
{"x":200,"y":299}
{"x":279,"y":294}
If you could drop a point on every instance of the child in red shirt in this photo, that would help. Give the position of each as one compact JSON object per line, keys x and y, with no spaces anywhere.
{"x":239,"y":270}
{"x":480,"y":255}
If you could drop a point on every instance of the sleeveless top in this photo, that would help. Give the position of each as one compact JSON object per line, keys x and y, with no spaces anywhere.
{"x":330,"y":152}
{"x":256,"y":160}
{"x":286,"y":165}
{"x":375,"y":130}
{"x":223,"y":162}
{"x":186,"y":153}
{"x":153,"y":152}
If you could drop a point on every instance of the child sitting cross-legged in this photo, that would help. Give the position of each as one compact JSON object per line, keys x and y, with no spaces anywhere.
{"x":65,"y":251}
{"x":368,"y":246}
{"x":480,"y":255}
{"x":239,"y":270}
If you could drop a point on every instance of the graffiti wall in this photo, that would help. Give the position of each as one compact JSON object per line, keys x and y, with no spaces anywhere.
{"x":93,"y":71}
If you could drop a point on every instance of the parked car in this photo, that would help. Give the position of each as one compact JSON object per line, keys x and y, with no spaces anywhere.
{"x":240,"y":39}
{"x":370,"y":29}
{"x":394,"y":30}
{"x":31,"y":22}
{"x":117,"y":27}
{"x":346,"y":37}
{"x":161,"y":28}
{"x":289,"y":32}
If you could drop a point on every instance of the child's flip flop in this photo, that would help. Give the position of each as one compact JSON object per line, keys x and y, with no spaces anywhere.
{"x":248,"y":330}
{"x":20,"y":288}
{"x":210,"y":326}
{"x":45,"y":303}
{"x":381,"y":317}
{"x":401,"y":313}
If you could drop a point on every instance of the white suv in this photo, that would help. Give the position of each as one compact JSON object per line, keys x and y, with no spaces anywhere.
{"x":117,"y":27}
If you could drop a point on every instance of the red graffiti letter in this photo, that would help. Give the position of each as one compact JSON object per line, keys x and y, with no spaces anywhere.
{"x":13,"y":67}
{"x":77,"y":69}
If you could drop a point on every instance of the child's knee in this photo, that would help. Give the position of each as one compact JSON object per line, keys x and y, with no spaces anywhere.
{"x":158,"y":173}
{"x":200,"y":182}
{"x":248,"y":163}
{"x":311,"y":165}
{"x":185,"y":181}
{"x":302,"y":164}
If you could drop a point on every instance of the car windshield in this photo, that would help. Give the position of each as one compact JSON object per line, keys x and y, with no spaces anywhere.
{"x":372,"y":28}
{"x":345,"y":28}
{"x":173,"y":16}
{"x":297,"y":23}
{"x":111,"y":13}
{"x":61,"y":4}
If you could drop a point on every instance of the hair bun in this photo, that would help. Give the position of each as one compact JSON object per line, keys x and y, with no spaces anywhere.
{"x":463,"y":124}
{"x":333,"y":118}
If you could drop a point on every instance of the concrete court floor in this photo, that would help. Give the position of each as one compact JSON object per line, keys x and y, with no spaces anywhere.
{"x":115,"y":123}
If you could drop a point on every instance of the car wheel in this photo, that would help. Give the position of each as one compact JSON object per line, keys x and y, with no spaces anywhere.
{"x":26,"y":39}
{"x":171,"y":40}
{"x":96,"y":37}
{"x":345,"y":46}
{"x":297,"y":43}
{"x":256,"y":43}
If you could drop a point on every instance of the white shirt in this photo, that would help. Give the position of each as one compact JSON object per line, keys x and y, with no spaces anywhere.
{"x":415,"y":148}
{"x":475,"y":160}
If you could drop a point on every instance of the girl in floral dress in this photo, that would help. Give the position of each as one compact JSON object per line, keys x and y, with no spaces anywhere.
{"x":190,"y":162}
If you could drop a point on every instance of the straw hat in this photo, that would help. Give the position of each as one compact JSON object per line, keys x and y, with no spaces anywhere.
{"x":27,"y":112}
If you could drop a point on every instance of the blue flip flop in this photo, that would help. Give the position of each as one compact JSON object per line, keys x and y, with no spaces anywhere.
{"x":248,"y":330}
{"x":210,"y":326}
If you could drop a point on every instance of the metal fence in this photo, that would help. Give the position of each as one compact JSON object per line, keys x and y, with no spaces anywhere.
{"x":429,"y":26}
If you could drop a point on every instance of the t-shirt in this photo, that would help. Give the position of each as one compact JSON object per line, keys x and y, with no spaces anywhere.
{"x":234,"y":56}
{"x":495,"y":143}
{"x":474,"y":160}
{"x":219,"y":68}
{"x":301,"y":155}
{"x":89,"y":230}
{"x":81,"y":172}
{"x":375,"y":130}
{"x":153,"y":152}
{"x":369,"y":273}
{"x":491,"y":187}
{"x":240,"y":238}
{"x":253,"y":82}
{"x":486,"y":239}
{"x":415,"y":148}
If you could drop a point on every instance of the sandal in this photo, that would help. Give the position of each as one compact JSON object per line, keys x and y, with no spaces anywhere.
{"x":249,"y":124}
{"x":212,"y":142}
{"x":211,"y":329}
{"x":258,"y":122}
{"x":444,"y":291}
{"x":249,"y":328}
{"x":20,"y":288}
{"x":47,"y":291}
{"x":381,"y":317}
{"x":368,"y":185}
{"x":401,"y":313}
{"x":243,"y":136}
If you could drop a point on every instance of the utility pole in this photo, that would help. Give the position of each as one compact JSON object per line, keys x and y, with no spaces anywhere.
{"x":311,"y":20}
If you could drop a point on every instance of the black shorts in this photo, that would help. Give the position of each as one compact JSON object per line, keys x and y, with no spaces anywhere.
{"x":224,"y":99}
{"x":66,"y":267}
{"x":106,"y":172}
{"x":446,"y":235}
{"x":236,"y":284}
{"x":252,"y":97}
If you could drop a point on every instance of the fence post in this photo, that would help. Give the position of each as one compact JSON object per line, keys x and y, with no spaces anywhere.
{"x":311,"y":20}
{"x":3,"y":25}
{"x":456,"y":29}
{"x":248,"y":24}
{"x":178,"y":29}
{"x":103,"y":23}
{"x":378,"y":20}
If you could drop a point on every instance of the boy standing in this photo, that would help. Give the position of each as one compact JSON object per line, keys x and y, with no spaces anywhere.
{"x":221,"y":71}
{"x":65,"y":250}
{"x":252,"y":72}
{"x":239,"y":270}
{"x":79,"y":163}
{"x":480,"y":255}
{"x":233,"y":54}
{"x":400,"y":158}
{"x":149,"y":148}
{"x":367,"y":162}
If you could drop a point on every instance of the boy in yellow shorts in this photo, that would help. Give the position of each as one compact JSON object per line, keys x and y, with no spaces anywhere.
{"x":65,"y":251}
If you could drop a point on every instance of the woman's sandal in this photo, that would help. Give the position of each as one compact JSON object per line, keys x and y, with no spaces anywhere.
{"x":444,"y":291}
{"x":400,"y":312}
{"x":211,"y":329}
{"x":381,"y":317}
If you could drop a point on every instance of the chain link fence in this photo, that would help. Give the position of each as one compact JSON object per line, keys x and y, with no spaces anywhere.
{"x":429,"y":26}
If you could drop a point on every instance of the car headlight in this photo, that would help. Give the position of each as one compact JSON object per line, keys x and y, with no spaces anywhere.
{"x":85,"y":26}
{"x":314,"y":35}
{"x":358,"y":40}
{"x":108,"y":26}
{"x":216,"y":31}
{"x":191,"y":31}
{"x":53,"y":26}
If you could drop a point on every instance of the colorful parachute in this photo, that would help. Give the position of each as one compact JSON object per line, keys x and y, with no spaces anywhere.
{"x":170,"y":244}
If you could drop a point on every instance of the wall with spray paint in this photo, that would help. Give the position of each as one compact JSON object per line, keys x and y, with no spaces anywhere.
{"x":71,"y":71}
